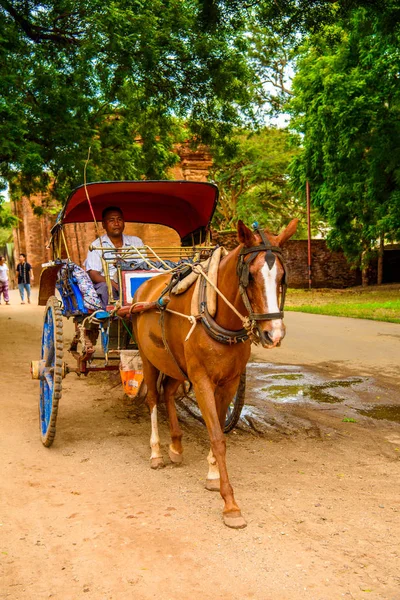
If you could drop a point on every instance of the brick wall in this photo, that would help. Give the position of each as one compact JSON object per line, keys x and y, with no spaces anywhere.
{"x":329,"y":269}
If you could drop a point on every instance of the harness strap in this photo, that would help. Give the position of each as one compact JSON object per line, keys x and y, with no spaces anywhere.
{"x":267,"y":245}
{"x":215,"y":331}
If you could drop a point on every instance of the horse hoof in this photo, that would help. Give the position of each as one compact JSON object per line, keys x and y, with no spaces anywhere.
{"x":234,"y":520}
{"x":212,"y":485}
{"x":175,"y":457}
{"x":157,"y":463}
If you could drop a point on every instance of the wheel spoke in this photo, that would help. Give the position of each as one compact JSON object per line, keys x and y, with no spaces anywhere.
{"x":50,"y":357}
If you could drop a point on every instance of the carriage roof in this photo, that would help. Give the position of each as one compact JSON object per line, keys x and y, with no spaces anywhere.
{"x":186,"y":206}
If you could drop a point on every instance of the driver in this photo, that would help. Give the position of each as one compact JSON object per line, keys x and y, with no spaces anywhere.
{"x":114,"y":224}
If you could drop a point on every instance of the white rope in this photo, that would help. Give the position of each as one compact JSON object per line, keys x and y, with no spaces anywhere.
{"x":191,"y":318}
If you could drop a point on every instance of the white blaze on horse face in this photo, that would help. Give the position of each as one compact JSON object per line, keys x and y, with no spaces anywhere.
{"x":270,"y":280}
{"x":155,"y":439}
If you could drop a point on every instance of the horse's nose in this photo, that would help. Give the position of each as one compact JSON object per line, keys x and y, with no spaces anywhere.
{"x":267,"y":339}
{"x":272,"y":337}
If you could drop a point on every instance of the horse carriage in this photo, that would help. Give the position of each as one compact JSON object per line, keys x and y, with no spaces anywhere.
{"x":192,"y":311}
{"x":186,"y":207}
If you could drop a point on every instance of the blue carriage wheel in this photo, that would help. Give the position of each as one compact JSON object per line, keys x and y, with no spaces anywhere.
{"x":235,"y":407}
{"x":51,"y":371}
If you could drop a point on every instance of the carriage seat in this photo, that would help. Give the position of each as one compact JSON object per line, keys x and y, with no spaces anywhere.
{"x":77,"y":290}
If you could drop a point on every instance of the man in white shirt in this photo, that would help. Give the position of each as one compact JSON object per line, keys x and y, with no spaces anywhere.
{"x":114,"y":224}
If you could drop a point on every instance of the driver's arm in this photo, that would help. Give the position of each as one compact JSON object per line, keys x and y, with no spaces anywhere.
{"x":97,"y":277}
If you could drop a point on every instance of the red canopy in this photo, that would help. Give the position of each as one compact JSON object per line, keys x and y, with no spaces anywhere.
{"x":186,"y":206}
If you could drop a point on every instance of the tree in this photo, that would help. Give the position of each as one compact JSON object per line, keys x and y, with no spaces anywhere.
{"x":120,"y":77}
{"x":346,"y":106}
{"x":271,"y":55}
{"x":7,"y":222}
{"x":7,"y":219}
{"x":254,"y":181}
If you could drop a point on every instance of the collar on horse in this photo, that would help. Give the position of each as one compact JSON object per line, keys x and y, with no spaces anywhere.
{"x":226,"y":336}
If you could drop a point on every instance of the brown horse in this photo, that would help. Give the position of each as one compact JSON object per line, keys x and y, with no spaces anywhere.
{"x":209,"y":359}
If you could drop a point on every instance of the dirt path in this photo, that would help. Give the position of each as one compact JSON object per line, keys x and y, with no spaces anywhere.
{"x":89,"y":519}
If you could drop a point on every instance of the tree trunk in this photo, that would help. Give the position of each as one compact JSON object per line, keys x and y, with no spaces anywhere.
{"x":380,"y":259}
{"x":364,"y":276}
{"x":364,"y":269}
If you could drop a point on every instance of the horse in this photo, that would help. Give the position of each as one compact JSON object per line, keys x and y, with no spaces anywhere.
{"x":252,"y":279}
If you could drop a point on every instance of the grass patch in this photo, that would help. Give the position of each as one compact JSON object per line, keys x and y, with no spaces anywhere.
{"x":379,"y":303}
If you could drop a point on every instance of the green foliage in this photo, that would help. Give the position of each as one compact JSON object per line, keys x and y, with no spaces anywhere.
{"x":120,"y":77}
{"x":6,"y":236}
{"x":7,"y":222}
{"x":304,"y":17}
{"x":254,"y":181}
{"x":347,"y":107}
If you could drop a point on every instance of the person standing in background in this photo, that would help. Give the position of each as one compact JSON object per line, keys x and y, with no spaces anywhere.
{"x":4,"y":280}
{"x":24,"y":277}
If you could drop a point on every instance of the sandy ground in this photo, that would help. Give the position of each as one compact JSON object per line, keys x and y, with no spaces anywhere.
{"x":87,"y":518}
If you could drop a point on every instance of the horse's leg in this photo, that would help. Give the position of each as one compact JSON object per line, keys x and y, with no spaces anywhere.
{"x":175,"y":448}
{"x":205,"y":397}
{"x":150,"y":374}
{"x":212,"y":481}
{"x":223,"y":398}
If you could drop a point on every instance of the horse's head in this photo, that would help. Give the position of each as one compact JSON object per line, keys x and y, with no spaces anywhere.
{"x":262,"y":279}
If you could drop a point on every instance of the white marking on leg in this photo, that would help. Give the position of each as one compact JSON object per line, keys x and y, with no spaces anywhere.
{"x":270,"y":276}
{"x":213,"y":470}
{"x":155,"y":439}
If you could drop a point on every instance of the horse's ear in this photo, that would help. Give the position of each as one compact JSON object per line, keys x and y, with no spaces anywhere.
{"x":245,"y":235}
{"x":287,"y":233}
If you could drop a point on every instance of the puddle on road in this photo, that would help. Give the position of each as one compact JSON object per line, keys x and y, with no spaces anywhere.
{"x":313,"y":393}
{"x":389,"y":412}
{"x":287,"y":386}
{"x":288,"y":377}
{"x":282,"y":384}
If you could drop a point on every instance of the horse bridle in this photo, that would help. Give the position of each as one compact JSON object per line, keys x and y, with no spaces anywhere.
{"x":243,"y":272}
{"x":226,"y":336}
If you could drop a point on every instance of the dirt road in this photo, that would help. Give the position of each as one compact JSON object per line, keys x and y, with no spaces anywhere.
{"x":340,"y":346}
{"x":89,"y":519}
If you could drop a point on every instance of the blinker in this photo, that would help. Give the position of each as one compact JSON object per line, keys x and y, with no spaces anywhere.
{"x":270,"y":258}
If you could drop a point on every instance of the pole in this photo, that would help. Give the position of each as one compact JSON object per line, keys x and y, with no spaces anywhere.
{"x":309,"y":232}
